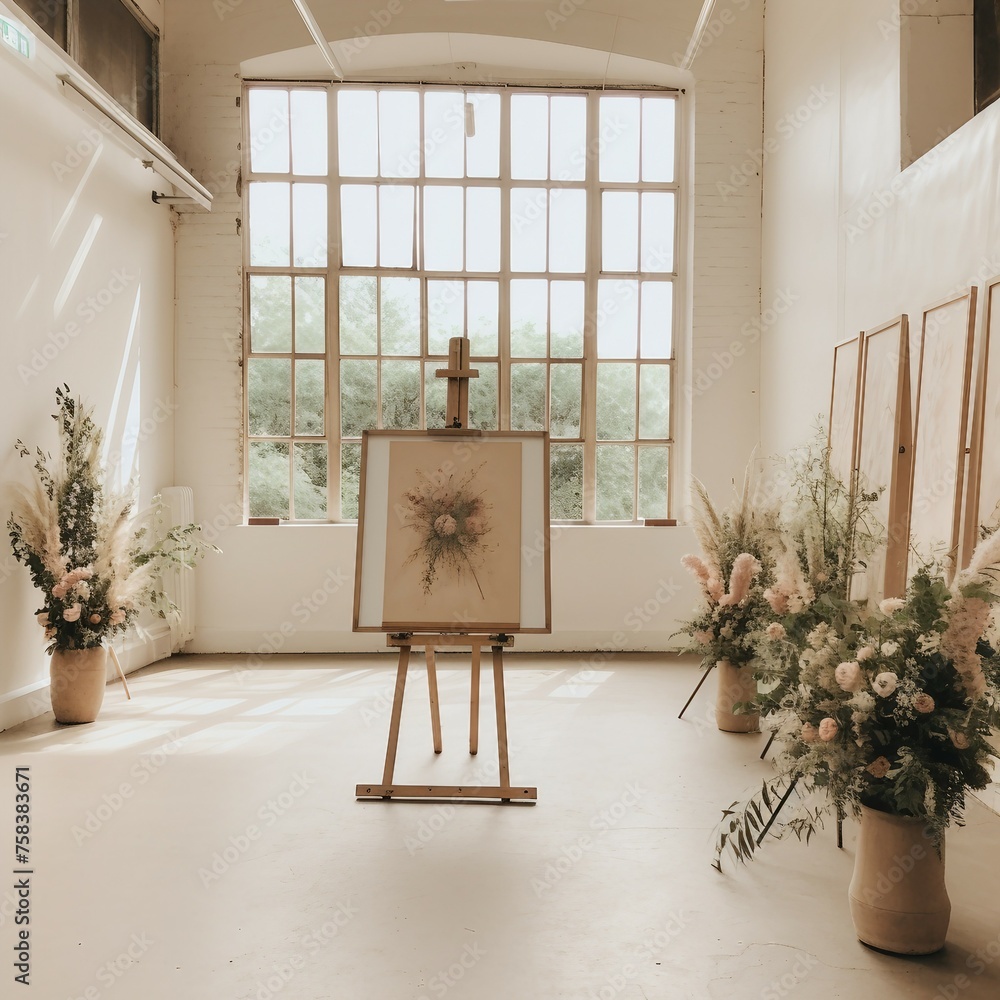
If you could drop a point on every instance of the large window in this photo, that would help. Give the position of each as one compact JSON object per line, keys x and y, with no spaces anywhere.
{"x":384,"y":220}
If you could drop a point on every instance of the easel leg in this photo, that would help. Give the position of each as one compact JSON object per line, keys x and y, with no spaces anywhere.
{"x":501,"y":718}
{"x":767,"y":745}
{"x":397,"y":711}
{"x":774,"y":815}
{"x":432,"y":690}
{"x":474,"y":703}
{"x":121,"y":673}
{"x":704,"y":677}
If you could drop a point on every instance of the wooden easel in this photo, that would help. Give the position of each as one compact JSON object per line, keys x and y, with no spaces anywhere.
{"x":458,"y":374}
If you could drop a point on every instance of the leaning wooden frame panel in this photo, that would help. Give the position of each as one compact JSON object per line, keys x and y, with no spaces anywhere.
{"x":941,"y":428}
{"x":453,"y":532}
{"x":884,"y":454}
{"x":845,"y":399}
{"x":982,"y":500}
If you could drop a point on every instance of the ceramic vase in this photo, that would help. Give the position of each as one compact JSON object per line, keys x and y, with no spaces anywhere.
{"x":77,"y":678}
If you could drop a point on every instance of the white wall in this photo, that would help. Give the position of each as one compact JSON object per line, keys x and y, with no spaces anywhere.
{"x":855,"y":239}
{"x":605,"y":580}
{"x":86,"y":297}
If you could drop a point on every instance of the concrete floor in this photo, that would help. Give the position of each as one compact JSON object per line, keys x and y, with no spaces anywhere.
{"x":203,"y":842}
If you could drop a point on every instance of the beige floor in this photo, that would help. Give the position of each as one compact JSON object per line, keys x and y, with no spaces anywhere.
{"x":203,"y":841}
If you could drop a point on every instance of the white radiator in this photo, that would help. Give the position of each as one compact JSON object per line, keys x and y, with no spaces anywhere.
{"x":179,"y":583}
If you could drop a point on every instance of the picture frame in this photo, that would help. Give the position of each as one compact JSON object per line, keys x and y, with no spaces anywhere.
{"x":883,"y":450}
{"x":845,"y":401}
{"x":453,"y":532}
{"x":982,"y":502}
{"x":941,"y":427}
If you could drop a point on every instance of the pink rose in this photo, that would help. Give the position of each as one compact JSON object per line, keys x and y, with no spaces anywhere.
{"x":117,"y":616}
{"x":775,"y":631}
{"x":43,"y":619}
{"x":960,"y":740}
{"x":923,"y":703}
{"x":703,"y":637}
{"x":94,"y":619}
{"x":879,"y":767}
{"x":72,"y":614}
{"x":849,"y":676}
{"x":865,"y":653}
{"x":828,"y":729}
{"x":445,"y":525}
{"x":809,"y":733}
{"x":885,"y":683}
{"x":59,"y":591}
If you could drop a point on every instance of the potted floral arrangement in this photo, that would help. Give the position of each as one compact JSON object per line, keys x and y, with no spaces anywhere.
{"x":733,"y":571}
{"x":96,"y":564}
{"x":889,"y":722}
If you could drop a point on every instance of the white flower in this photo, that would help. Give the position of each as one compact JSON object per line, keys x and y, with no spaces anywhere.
{"x":775,"y":631}
{"x":885,"y":683}
{"x":865,"y":653}
{"x":890,"y":648}
{"x":72,"y":614}
{"x":849,"y":676}
{"x":891,"y":605}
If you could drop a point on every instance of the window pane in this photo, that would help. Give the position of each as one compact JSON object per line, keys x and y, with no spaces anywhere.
{"x":444,"y":133}
{"x":443,"y":228}
{"x":350,"y":479}
{"x":615,"y":482}
{"x":568,"y":230}
{"x":270,"y":313}
{"x":527,"y":397}
{"x":617,"y":318}
{"x":658,"y":138}
{"x":654,"y":401}
{"x":309,"y":224}
{"x":269,"y":224}
{"x":654,"y":464}
{"x":484,"y":302}
{"x":395,"y":225}
{"x":657,"y":319}
{"x":269,"y":394}
{"x":310,"y":481}
{"x":615,"y":402}
{"x":482,"y":225}
{"x":658,"y":231}
{"x":484,"y":398}
{"x":482,"y":150}
{"x":566,"y":323}
{"x":400,"y":317}
{"x":357,"y":122}
{"x":435,"y":396}
{"x":445,"y":314}
{"x":619,"y":155}
{"x":620,"y":231}
{"x":268,"y":490}
{"x":268,"y":130}
{"x":357,"y":315}
{"x":528,"y":318}
{"x":310,"y":315}
{"x":310,"y":386}
{"x":399,"y":133}
{"x":568,"y":144}
{"x":565,"y":399}
{"x":566,"y":482}
{"x":401,"y":390}
{"x":529,"y":136}
{"x":309,"y":138}
{"x":357,"y":225}
{"x":528,"y":211}
{"x":358,"y":395}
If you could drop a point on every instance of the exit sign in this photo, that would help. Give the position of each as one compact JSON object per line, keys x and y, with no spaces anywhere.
{"x":12,"y":35}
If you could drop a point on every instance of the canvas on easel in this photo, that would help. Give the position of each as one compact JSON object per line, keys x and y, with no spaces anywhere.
{"x":845,"y":397}
{"x":982,"y":503}
{"x":941,"y":426}
{"x":883,"y":455}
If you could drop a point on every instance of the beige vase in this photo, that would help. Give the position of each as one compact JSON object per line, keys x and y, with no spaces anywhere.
{"x":735,"y":684}
{"x":76,"y":683}
{"x":898,"y":898}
